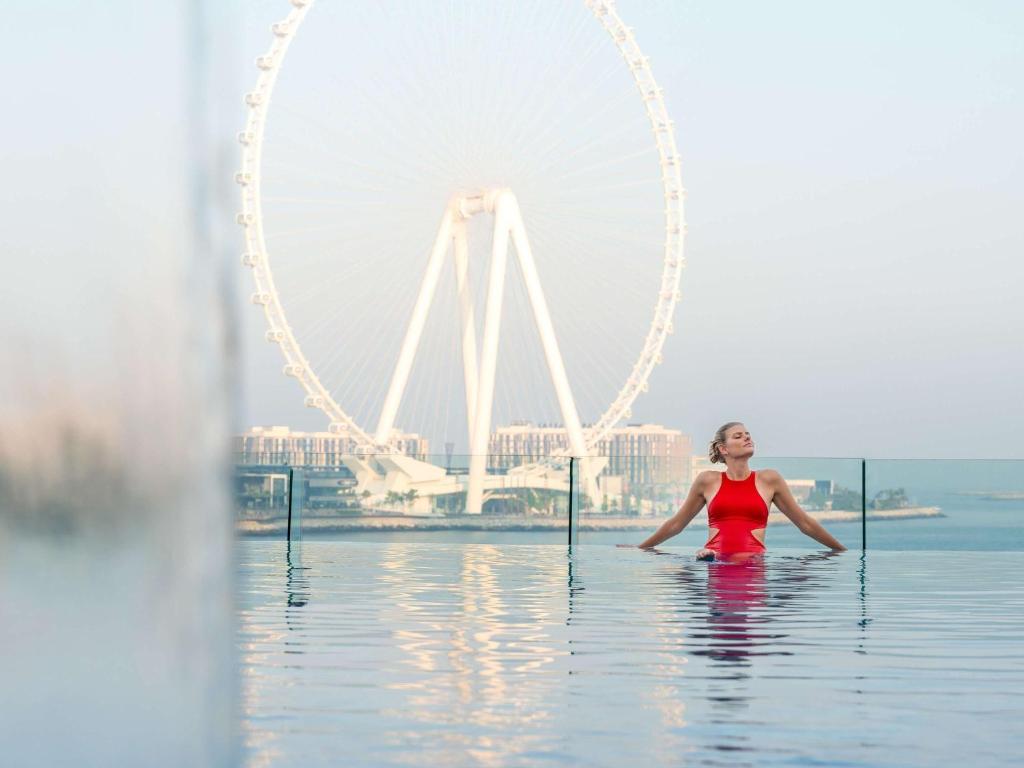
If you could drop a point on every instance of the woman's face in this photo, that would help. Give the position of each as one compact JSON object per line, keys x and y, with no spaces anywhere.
{"x":738,"y":443}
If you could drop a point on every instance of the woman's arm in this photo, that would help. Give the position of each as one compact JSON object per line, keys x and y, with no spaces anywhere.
{"x":675,"y":524}
{"x":784,"y":500}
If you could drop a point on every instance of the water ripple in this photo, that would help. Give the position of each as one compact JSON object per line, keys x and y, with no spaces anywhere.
{"x":438,"y":654}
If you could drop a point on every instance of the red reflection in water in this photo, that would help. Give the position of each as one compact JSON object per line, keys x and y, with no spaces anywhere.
{"x":737,"y":594}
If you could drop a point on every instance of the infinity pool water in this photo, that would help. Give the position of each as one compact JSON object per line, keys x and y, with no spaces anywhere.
{"x":368,"y":654}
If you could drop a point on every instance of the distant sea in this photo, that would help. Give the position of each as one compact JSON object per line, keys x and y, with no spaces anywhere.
{"x":968,"y":524}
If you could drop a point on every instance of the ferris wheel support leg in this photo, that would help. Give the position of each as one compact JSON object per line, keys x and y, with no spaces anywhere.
{"x":553,"y":356}
{"x":478,"y":444}
{"x":412,"y":336}
{"x":469,"y":363}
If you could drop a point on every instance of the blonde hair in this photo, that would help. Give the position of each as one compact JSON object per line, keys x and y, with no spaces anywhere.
{"x":719,"y":439}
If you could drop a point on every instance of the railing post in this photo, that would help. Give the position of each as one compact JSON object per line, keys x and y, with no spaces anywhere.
{"x":291,"y":487}
{"x":863,"y":504}
{"x":572,"y":469}
{"x":574,"y":501}
{"x":296,"y":500}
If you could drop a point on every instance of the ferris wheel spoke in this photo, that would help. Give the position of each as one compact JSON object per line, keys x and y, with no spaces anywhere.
{"x":328,"y":133}
{"x":396,"y":168}
{"x":300,"y":231}
{"x":331,"y":182}
{"x":331,"y":201}
{"x":357,"y":370}
{"x":555,"y":92}
{"x":554,"y":136}
{"x":558,"y":148}
{"x":595,"y":144}
{"x":608,"y":163}
{"x":366,"y":330}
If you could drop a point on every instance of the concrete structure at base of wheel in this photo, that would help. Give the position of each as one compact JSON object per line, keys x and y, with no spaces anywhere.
{"x":533,"y":523}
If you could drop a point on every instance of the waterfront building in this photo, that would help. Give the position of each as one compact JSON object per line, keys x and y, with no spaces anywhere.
{"x":647,"y":455}
{"x":643,"y":455}
{"x":280,"y":445}
{"x":522,"y":442}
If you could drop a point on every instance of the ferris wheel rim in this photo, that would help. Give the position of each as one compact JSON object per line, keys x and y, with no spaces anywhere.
{"x":257,"y":258}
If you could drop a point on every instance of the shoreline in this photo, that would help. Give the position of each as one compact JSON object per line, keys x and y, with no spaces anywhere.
{"x":378,"y":523}
{"x":994,"y":495}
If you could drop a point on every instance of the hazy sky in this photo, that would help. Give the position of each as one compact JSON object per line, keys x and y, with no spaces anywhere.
{"x":855,"y":186}
{"x":855,"y":232}
{"x":855,"y":238}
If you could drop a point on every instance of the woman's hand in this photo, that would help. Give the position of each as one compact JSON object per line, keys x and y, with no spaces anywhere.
{"x":705,"y":554}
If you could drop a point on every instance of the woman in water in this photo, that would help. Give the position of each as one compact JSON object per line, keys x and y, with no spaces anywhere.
{"x":738,"y":501}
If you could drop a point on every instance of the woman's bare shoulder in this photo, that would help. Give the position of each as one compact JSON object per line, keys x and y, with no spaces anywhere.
{"x":770,"y":476}
{"x":707,"y":477}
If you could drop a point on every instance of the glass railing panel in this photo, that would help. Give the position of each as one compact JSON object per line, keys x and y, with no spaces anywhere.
{"x":261,"y":494}
{"x":389,"y":497}
{"x":828,"y":489}
{"x":623,"y":499}
{"x":911,"y":504}
{"x":945,"y":504}
{"x":635,"y":496}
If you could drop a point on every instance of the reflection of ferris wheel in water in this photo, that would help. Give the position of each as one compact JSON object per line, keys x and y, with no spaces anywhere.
{"x":541,"y":146}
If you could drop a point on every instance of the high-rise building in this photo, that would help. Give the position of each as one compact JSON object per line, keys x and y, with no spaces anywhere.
{"x":643,"y":455}
{"x":280,"y":445}
{"x":647,"y":455}
{"x":522,"y":442}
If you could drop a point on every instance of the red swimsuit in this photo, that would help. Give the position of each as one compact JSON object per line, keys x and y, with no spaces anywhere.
{"x":736,"y":510}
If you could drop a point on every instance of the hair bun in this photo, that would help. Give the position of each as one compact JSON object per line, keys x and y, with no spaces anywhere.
{"x":713,"y":455}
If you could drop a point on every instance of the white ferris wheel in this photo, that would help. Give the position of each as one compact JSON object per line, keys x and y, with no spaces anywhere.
{"x":401,"y":141}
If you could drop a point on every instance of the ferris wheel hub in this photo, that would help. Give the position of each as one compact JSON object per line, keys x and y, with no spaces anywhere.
{"x":484,"y":201}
